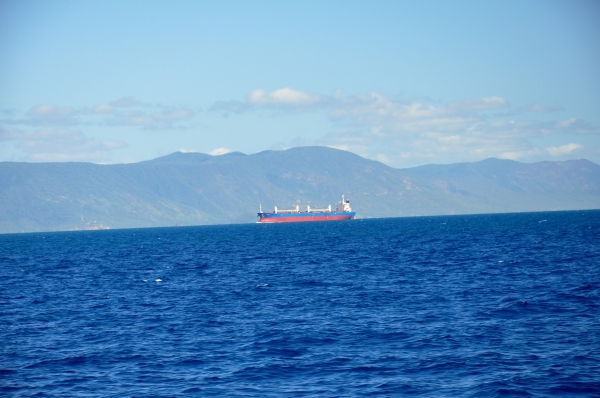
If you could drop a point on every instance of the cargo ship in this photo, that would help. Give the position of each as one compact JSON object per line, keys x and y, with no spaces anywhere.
{"x":342,"y":212}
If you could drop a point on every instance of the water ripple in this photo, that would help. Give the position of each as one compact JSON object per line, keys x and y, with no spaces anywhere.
{"x":486,"y":305}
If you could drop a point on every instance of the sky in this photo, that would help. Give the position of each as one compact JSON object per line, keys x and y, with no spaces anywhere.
{"x":403,"y":82}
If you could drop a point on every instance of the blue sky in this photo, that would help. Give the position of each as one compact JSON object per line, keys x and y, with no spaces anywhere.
{"x":406,"y":83}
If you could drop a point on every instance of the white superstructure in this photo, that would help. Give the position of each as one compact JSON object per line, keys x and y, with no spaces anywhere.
{"x":344,"y":205}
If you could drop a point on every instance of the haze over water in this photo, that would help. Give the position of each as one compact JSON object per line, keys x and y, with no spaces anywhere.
{"x":485,"y":305}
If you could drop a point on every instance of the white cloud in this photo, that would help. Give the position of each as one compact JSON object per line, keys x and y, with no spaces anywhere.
{"x":399,"y":132}
{"x":411,"y":133}
{"x":162,"y":120}
{"x":576,"y":126}
{"x":125,"y":102}
{"x":543,"y":108}
{"x":519,"y":155}
{"x":169,"y":116}
{"x":555,"y":151}
{"x":284,"y":95}
{"x":58,"y":145}
{"x":219,"y":151}
{"x":284,"y":99}
{"x":382,"y":116}
{"x":108,"y":114}
{"x":566,"y":123}
{"x":564,"y":149}
{"x":47,"y":115}
{"x":137,"y":114}
{"x":343,"y":147}
{"x":480,"y":103}
{"x":103,"y":109}
{"x":51,"y":110}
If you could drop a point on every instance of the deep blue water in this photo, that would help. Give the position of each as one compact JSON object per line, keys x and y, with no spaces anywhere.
{"x":484,"y":305}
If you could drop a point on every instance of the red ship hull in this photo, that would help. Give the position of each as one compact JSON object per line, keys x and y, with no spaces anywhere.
{"x":304,"y":219}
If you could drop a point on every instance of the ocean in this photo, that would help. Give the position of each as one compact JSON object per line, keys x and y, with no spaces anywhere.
{"x":447,"y":306}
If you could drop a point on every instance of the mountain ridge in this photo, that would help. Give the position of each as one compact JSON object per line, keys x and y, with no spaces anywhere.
{"x":196,"y":189}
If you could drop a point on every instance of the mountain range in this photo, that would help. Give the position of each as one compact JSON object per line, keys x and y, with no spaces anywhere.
{"x":198,"y":189}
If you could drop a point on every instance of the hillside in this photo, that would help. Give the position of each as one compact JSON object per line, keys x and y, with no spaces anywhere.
{"x":195,"y":189}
